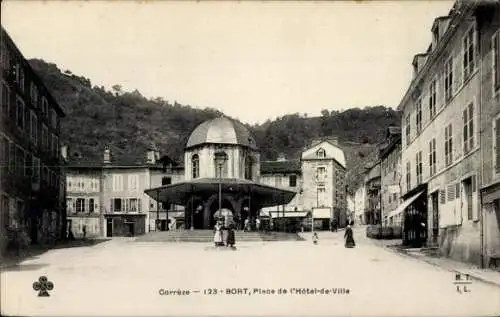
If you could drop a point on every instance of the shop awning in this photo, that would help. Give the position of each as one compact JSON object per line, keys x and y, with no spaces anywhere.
{"x":322,"y":213}
{"x":179,"y":193}
{"x":288,"y":214}
{"x":404,"y":205}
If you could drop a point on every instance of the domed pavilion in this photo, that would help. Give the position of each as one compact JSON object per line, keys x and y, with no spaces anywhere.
{"x":221,"y":171}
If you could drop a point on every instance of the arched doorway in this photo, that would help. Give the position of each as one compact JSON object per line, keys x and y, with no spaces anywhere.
{"x":194,"y":213}
{"x":225,"y":204}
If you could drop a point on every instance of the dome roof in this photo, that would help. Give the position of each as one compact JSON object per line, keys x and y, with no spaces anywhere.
{"x":221,"y":130}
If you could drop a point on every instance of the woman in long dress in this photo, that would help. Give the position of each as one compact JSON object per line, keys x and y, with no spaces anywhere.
{"x":348,"y":236}
{"x":218,"y":234}
{"x":231,"y":239}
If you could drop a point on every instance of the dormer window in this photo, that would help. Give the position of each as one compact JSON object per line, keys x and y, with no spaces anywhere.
{"x":320,"y":153}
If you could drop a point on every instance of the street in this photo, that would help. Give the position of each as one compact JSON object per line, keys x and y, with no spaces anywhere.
{"x":124,"y":277}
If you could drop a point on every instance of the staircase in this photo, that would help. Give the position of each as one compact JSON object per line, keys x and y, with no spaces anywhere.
{"x":207,"y":236}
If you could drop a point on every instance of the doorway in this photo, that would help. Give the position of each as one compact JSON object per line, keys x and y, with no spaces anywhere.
{"x":131,"y":229}
{"x":435,"y":216}
{"x":109,"y":227}
{"x":467,"y":183}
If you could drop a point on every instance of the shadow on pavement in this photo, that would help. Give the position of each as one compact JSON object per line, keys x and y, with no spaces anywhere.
{"x":19,"y":267}
{"x":15,"y":257}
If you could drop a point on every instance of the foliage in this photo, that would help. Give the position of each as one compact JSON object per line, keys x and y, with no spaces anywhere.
{"x":129,"y":122}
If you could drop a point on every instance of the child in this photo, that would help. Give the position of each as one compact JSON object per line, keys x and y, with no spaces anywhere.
{"x":315,"y":238}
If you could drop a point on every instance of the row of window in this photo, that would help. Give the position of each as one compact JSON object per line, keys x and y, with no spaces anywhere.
{"x":468,"y":66}
{"x":36,"y":98}
{"x":27,"y":121}
{"x":125,"y":205}
{"x":81,"y":205}
{"x":81,"y":183}
{"x":467,"y":146}
{"x":221,"y":171}
{"x":15,"y":160}
{"x":118,"y":184}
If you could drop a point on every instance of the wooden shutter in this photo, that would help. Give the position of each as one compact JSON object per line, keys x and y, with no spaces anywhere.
{"x":112,"y":205}
{"x":451,"y":192}
{"x":139,"y":205}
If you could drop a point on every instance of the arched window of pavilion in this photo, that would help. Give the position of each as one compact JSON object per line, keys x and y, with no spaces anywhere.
{"x":195,"y":164}
{"x":248,"y":167}
{"x":221,"y":164}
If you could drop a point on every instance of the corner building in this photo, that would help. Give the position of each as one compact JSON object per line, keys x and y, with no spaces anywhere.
{"x":31,"y":174}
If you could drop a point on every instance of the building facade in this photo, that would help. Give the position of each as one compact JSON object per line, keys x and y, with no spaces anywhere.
{"x":373,"y":195}
{"x":359,"y":205}
{"x":32,"y":174}
{"x":323,"y":174}
{"x":84,"y":198}
{"x":285,"y":174}
{"x":489,"y":43}
{"x":390,"y":161}
{"x":441,"y":156}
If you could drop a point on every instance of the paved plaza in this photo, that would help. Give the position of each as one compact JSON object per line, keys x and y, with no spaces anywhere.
{"x":124,"y":277}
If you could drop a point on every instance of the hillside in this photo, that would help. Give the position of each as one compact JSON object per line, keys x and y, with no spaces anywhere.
{"x":130,"y":123}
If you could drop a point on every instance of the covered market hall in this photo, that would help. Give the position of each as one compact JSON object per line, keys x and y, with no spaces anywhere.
{"x":221,"y":172}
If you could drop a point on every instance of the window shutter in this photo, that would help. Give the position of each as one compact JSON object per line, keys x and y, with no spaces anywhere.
{"x":139,"y":205}
{"x":451,"y":192}
{"x":457,"y":191}
{"x":473,"y":183}
{"x":442,"y":195}
{"x":112,"y":205}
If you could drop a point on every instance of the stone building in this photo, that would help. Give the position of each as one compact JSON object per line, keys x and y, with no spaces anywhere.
{"x":323,"y":181}
{"x":359,"y":205}
{"x":106,"y":195}
{"x":84,"y":197}
{"x":488,"y":17}
{"x":441,"y":154}
{"x":372,"y":185}
{"x":390,"y":161}
{"x":32,"y":175}
{"x":285,"y":174}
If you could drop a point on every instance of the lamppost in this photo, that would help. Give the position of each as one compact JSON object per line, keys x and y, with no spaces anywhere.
{"x":220,"y":159}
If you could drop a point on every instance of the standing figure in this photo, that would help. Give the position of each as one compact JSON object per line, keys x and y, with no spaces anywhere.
{"x":348,"y":236}
{"x":231,"y":239}
{"x":84,"y":230}
{"x":315,"y":238}
{"x":218,"y":234}
{"x":247,"y":225}
{"x":257,"y":224}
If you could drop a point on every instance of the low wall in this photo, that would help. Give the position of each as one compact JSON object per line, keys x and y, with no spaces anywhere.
{"x":461,"y":243}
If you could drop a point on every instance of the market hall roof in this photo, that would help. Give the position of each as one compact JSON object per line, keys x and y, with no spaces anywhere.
{"x":221,"y":130}
{"x":179,"y":193}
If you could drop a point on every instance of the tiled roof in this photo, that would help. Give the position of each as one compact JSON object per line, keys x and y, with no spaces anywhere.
{"x":278,"y":167}
{"x":119,"y":161}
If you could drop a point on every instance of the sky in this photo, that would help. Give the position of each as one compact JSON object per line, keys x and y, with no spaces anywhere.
{"x":252,"y":60}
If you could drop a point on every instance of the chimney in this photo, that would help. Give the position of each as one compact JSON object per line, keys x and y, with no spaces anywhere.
{"x":64,"y":152}
{"x":151,"y":156}
{"x":107,"y":155}
{"x":333,"y":140}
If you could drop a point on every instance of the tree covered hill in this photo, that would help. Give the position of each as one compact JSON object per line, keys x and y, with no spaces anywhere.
{"x":129,"y":123}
